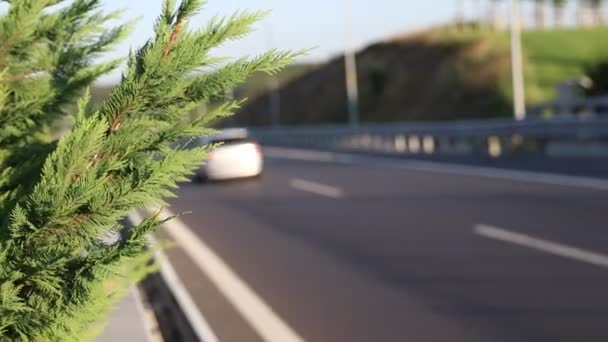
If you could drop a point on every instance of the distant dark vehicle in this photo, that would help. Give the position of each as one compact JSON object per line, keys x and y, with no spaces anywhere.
{"x":599,"y":75}
{"x":237,"y":155}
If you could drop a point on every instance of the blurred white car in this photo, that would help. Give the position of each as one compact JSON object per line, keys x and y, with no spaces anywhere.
{"x":236,"y":156}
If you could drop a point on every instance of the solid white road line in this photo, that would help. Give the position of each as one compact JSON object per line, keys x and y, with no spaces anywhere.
{"x":178,"y":289}
{"x":254,"y":310}
{"x":147,"y":316}
{"x":554,"y":248}
{"x":513,"y":175}
{"x":316,"y":188}
{"x":439,"y":167}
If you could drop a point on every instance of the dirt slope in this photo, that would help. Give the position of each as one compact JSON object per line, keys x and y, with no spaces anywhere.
{"x":417,"y":77}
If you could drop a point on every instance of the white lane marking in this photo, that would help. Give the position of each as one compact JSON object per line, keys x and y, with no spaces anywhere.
{"x":513,"y":175}
{"x":316,"y":188}
{"x":147,"y":316}
{"x":254,"y":310}
{"x":176,"y":286}
{"x":554,"y":248}
{"x":443,"y":167}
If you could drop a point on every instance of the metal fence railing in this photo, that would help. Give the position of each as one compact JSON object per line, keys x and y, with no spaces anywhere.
{"x":564,"y":136}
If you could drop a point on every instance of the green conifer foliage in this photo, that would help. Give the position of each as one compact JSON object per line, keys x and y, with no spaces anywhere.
{"x":59,"y":199}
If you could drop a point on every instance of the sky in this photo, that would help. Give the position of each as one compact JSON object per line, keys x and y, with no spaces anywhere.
{"x":296,"y":24}
{"x":292,"y":24}
{"x":319,"y":24}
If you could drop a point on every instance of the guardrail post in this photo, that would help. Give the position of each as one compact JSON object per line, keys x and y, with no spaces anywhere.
{"x":400,"y":143}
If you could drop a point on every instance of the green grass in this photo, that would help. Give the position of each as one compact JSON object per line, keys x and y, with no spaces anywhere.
{"x":551,"y":56}
{"x":554,"y":56}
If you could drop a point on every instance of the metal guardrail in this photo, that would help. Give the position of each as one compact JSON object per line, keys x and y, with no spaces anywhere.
{"x":563,"y":136}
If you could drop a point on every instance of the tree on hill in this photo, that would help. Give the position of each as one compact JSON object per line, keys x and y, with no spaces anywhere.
{"x":539,"y":13}
{"x":596,"y":8}
{"x":495,"y":15}
{"x":559,"y":7}
{"x":65,"y":256}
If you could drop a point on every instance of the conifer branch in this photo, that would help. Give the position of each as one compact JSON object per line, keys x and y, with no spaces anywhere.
{"x":116,"y":121}
{"x":60,"y":198}
{"x":174,"y":35}
{"x":22,"y":76}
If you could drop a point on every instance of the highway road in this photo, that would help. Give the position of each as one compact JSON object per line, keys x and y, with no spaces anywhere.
{"x":326,"y":248}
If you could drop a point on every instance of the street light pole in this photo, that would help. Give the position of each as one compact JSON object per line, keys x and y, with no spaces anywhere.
{"x":350,"y":64}
{"x":519,"y":100}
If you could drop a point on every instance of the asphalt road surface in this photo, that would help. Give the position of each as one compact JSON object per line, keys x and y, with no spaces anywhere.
{"x":343,"y":250}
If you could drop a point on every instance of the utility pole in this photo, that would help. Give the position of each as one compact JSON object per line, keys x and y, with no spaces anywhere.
{"x":274,"y":97}
{"x":519,"y":101}
{"x":350,"y":64}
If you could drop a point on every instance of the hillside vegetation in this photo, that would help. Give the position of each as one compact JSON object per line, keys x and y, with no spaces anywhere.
{"x":441,"y":74}
{"x":557,"y":55}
